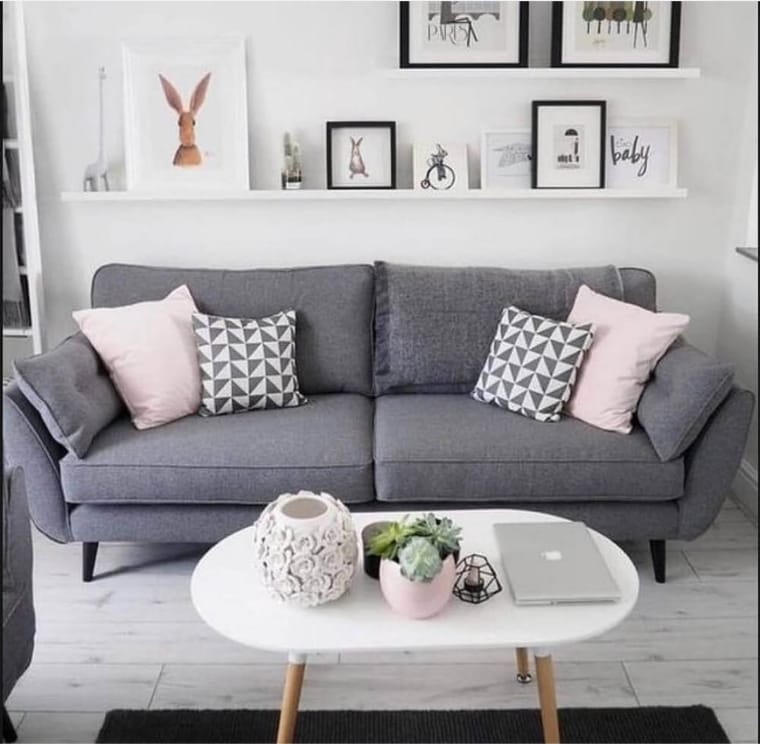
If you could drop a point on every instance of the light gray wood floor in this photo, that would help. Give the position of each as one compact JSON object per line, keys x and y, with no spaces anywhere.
{"x":131,"y":639}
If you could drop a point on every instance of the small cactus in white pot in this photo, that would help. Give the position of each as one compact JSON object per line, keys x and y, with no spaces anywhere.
{"x":291,"y":169}
{"x":418,"y":566}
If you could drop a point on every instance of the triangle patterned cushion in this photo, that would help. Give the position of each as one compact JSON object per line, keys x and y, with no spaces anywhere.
{"x":532,"y":364}
{"x":247,"y":364}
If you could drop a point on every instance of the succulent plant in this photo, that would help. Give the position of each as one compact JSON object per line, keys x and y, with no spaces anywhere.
{"x":390,"y":539}
{"x":291,"y":152}
{"x":419,"y":559}
{"x":440,"y":531}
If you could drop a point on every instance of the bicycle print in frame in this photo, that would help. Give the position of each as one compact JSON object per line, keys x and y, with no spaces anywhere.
{"x":469,"y":33}
{"x":440,"y":167}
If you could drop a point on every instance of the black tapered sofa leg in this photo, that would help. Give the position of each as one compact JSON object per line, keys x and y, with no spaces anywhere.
{"x":657,"y":548}
{"x":9,"y":733}
{"x":89,"y":552}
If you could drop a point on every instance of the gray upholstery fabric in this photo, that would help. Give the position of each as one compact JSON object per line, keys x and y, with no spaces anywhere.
{"x":434,"y":325}
{"x":639,"y":288}
{"x":449,"y":448}
{"x":334,"y":306}
{"x":683,"y":392}
{"x":712,"y":462}
{"x":70,"y":388}
{"x":28,"y":444}
{"x":207,"y":524}
{"x":18,"y":605}
{"x":202,"y":523}
{"x":242,"y":458}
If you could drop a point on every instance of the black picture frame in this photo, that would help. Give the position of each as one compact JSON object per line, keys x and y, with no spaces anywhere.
{"x":405,"y":63}
{"x":535,"y":106}
{"x":673,"y":57}
{"x":331,"y":126}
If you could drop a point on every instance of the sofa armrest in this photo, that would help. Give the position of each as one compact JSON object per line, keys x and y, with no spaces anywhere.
{"x":685,"y":389}
{"x":28,"y":444}
{"x":712,"y":463}
{"x":17,"y":538}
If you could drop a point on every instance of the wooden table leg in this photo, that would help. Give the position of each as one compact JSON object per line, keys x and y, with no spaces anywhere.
{"x":523,"y":666}
{"x":547,"y":698}
{"x":291,"y":694}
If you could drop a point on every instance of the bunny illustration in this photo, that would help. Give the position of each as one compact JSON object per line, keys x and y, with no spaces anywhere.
{"x":187,"y":152}
{"x":356,"y":165}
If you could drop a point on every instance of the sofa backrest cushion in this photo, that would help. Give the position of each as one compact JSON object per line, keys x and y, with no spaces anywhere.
{"x":333,"y":304}
{"x":434,"y":325}
{"x":71,"y":390}
{"x":685,"y":389}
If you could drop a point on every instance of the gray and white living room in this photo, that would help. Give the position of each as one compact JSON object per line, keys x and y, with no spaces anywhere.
{"x":380,"y":371}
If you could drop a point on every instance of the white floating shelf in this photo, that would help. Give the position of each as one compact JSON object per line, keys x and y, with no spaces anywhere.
{"x":532,"y":73}
{"x":93,"y":197}
{"x":17,"y":332}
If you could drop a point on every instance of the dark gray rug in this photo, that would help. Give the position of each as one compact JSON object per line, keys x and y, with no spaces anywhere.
{"x":692,"y":725}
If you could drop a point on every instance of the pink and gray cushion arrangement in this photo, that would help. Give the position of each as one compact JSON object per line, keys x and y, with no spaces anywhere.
{"x":387,"y":357}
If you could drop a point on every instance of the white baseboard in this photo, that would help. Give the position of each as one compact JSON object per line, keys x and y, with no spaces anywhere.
{"x":745,"y":489}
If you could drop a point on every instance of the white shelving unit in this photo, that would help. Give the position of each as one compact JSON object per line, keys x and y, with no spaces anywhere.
{"x":15,"y":78}
{"x":100,"y":197}
{"x":546,"y":73}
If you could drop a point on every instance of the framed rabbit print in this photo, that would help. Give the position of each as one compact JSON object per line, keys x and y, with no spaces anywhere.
{"x":361,"y":155}
{"x":185,"y":115}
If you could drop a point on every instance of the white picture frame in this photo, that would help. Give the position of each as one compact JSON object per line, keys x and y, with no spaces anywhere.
{"x":170,"y":147}
{"x":642,"y":154}
{"x":440,"y":166}
{"x":505,"y":159}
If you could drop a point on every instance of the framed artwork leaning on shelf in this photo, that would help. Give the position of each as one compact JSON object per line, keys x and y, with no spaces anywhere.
{"x":440,"y":166}
{"x":361,"y":154}
{"x":505,"y":159}
{"x":463,"y":34}
{"x":568,"y":144}
{"x":611,"y":34}
{"x":186,"y":116}
{"x":642,"y":154}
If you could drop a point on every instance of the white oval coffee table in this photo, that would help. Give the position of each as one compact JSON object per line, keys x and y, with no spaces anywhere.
{"x":228,"y":596}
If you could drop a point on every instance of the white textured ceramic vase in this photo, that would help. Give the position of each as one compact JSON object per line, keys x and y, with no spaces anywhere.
{"x":306,"y":548}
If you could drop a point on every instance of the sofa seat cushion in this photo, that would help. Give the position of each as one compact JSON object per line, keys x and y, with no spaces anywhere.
{"x":451,"y":448}
{"x":243,"y":458}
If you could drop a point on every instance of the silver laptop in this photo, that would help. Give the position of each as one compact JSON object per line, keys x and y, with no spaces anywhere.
{"x":553,"y":563}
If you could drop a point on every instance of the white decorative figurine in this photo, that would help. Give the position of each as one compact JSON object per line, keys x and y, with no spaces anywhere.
{"x":306,"y":548}
{"x":97,"y":171}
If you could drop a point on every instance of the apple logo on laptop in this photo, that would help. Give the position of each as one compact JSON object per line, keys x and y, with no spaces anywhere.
{"x":551,"y":555}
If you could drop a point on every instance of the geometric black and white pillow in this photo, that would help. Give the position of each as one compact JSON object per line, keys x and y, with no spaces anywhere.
{"x":247,"y":364}
{"x":532,"y":364}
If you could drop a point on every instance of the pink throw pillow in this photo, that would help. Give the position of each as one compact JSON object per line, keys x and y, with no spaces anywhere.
{"x":628,"y":343}
{"x":149,"y":350}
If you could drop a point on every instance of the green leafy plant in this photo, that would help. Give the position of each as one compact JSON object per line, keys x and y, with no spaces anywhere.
{"x":419,"y":560}
{"x":441,"y":532}
{"x":390,"y":539}
{"x":440,"y":535}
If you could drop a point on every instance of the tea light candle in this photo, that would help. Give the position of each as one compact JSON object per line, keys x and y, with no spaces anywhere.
{"x":472,"y":581}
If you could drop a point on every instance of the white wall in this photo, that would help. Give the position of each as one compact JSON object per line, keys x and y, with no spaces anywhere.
{"x":737,"y":339}
{"x":309,"y":62}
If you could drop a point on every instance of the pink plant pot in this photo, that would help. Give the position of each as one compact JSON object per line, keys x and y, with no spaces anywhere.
{"x":417,"y":599}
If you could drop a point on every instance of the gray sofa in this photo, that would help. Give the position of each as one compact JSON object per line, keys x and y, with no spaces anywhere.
{"x":387,"y":355}
{"x":18,"y":606}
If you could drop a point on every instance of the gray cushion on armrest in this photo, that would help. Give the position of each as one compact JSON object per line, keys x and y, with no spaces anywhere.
{"x":685,"y":389}
{"x":71,"y":391}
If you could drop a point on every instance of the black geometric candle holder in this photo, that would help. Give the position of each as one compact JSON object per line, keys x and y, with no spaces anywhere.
{"x":476,"y":580}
